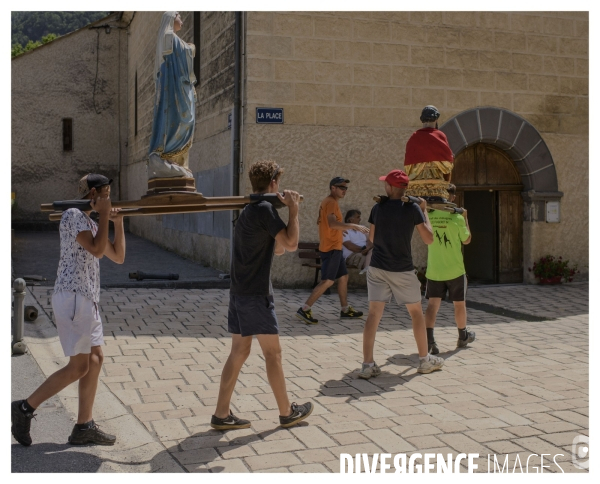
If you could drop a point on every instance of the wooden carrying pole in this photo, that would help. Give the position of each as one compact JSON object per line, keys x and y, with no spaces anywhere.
{"x":135,"y":212}
{"x":446,"y":207}
{"x":167,"y":200}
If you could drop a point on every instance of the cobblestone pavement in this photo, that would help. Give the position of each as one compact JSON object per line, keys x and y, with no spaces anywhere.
{"x":543,"y":301}
{"x":521,"y":388}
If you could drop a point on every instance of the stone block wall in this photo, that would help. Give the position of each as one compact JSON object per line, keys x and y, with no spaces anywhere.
{"x":75,"y":76}
{"x":352,"y":85}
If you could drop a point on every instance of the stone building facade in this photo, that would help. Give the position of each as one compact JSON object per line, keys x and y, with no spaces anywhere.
{"x":512,"y":89}
{"x":353,"y":84}
{"x":77,"y":77}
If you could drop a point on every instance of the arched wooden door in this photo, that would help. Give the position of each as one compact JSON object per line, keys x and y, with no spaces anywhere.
{"x":489,"y":187}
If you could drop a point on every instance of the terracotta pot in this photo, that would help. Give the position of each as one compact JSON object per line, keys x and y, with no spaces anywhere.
{"x":551,"y":280}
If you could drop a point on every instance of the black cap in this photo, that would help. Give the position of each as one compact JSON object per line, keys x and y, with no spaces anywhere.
{"x":429,"y":114}
{"x":92,"y":180}
{"x":336,"y":180}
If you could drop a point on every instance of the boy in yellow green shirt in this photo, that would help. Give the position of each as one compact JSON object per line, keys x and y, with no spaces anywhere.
{"x":446,"y":271}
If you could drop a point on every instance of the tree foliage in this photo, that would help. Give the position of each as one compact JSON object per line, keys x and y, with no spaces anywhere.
{"x":32,"y":29}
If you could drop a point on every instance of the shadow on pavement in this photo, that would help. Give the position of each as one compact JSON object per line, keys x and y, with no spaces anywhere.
{"x":352,"y":388}
{"x":198,"y":450}
{"x":50,"y":457}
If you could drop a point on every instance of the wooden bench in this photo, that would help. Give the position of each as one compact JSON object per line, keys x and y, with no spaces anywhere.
{"x":309,"y":252}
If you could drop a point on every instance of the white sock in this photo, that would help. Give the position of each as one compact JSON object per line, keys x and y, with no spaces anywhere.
{"x":369,"y":365}
{"x":306,"y":308}
{"x":424,"y":358}
{"x":345,"y":308}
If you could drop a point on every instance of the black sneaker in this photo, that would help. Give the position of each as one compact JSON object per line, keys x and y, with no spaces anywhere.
{"x":21,"y":423}
{"x":92,"y":435}
{"x":306,"y":316}
{"x":351,"y":313}
{"x":433,"y":348}
{"x":462,"y":343}
{"x":231,"y":422}
{"x":299,"y":413}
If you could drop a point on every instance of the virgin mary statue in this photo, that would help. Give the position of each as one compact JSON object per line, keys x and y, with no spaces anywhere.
{"x":174,"y":103}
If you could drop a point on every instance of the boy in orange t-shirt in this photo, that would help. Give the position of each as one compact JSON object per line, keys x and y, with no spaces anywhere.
{"x":333,"y":264}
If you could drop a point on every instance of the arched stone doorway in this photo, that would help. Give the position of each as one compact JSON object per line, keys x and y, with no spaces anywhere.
{"x":505,"y":174}
{"x":489,"y":187}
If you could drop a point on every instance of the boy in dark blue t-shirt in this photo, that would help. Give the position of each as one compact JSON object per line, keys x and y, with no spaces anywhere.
{"x":391,"y":271}
{"x":259,"y":234}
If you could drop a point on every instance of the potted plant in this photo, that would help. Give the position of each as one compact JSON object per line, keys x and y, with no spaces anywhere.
{"x":552,"y":270}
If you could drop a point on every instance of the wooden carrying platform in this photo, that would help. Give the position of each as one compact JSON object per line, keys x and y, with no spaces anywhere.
{"x":161,"y":185}
{"x":167,"y":203}
{"x":434,"y":203}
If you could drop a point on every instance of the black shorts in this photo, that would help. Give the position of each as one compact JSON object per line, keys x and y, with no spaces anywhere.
{"x":333,"y":265}
{"x":250,"y":315}
{"x":457,"y":288}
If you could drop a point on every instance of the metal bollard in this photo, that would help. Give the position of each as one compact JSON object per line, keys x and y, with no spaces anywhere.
{"x":18,"y":347}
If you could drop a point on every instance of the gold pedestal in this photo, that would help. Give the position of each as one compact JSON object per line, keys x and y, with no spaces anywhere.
{"x":428,"y":188}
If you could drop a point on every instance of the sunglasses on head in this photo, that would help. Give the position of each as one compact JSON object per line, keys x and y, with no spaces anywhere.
{"x":341,"y":187}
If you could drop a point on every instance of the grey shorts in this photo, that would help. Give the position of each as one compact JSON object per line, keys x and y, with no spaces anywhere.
{"x":405,"y":286}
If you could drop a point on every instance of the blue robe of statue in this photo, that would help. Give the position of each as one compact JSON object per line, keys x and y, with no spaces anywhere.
{"x":175,"y":104}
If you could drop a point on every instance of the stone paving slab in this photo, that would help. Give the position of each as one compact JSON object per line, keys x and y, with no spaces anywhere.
{"x":519,"y":389}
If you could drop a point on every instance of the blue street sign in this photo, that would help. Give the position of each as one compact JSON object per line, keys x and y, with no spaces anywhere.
{"x":269,"y":115}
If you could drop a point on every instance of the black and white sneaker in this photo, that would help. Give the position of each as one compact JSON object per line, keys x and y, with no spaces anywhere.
{"x":299,"y":413}
{"x":21,"y":423}
{"x":231,"y":422}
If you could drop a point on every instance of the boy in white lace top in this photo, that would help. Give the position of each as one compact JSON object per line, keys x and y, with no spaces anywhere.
{"x":75,"y":305}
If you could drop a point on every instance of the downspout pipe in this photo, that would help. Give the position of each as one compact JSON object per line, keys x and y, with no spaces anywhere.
{"x":237,"y":103}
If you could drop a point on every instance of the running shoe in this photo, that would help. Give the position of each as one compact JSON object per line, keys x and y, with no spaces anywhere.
{"x":306,"y":316}
{"x":462,"y":343}
{"x":369,"y":371}
{"x":434,"y":363}
{"x":351,"y":313}
{"x":433,"y":348}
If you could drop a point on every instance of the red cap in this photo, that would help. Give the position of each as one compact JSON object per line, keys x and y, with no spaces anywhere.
{"x":396,"y":178}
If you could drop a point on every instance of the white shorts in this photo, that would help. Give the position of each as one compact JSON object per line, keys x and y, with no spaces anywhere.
{"x":78,"y":322}
{"x":405,"y":286}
